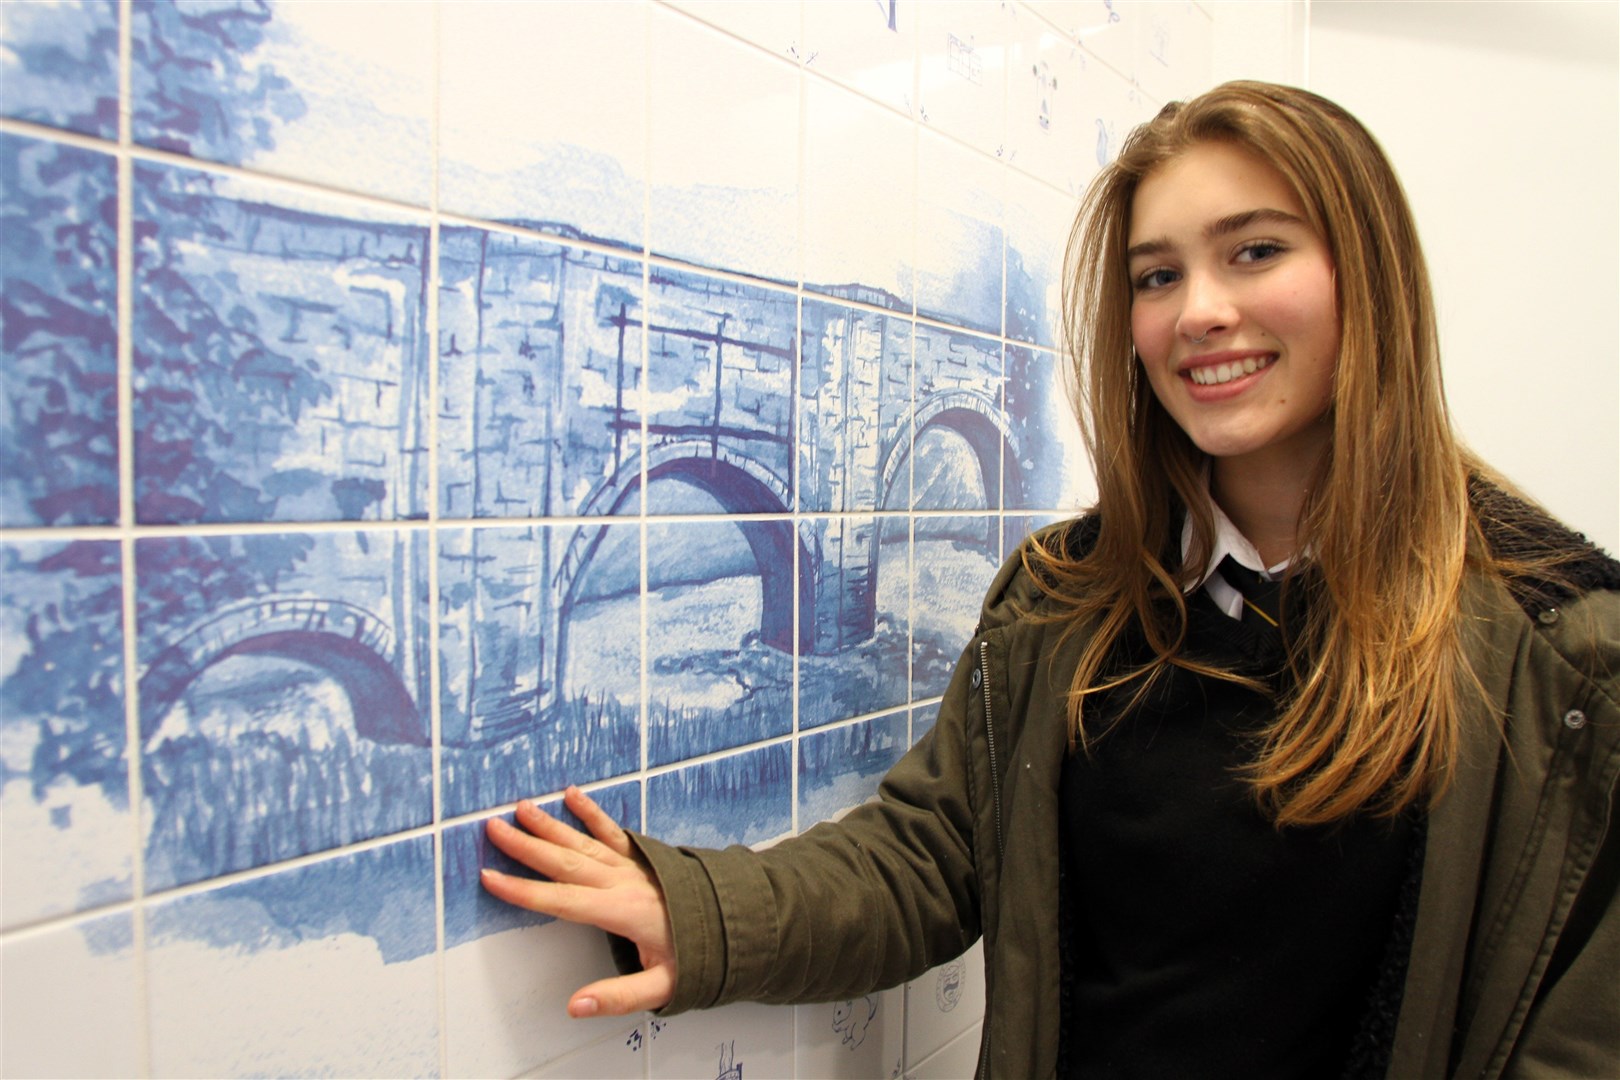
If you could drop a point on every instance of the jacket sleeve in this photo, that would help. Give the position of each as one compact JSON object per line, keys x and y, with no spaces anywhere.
{"x":1573,"y":1027}
{"x":849,"y":907}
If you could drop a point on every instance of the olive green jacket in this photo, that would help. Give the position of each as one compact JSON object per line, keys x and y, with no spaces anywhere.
{"x":1515,"y":963}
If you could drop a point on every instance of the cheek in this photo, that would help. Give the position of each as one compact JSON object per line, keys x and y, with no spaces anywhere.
{"x":1149,"y":333}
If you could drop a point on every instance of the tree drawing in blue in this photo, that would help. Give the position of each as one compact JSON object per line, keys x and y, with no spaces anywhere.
{"x":58,"y":334}
{"x":64,"y":768}
{"x":280,"y":372}
{"x":59,"y":65}
{"x":195,"y":86}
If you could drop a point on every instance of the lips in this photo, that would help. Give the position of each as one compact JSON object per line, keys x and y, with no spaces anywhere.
{"x":1224,"y":371}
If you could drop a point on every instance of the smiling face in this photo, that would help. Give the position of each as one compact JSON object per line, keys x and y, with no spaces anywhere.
{"x":1233,"y":311}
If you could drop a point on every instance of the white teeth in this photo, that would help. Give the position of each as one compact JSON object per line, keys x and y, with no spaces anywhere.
{"x":1215,"y":374}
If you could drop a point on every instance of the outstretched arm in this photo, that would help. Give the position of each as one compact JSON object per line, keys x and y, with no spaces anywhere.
{"x":597,"y":879}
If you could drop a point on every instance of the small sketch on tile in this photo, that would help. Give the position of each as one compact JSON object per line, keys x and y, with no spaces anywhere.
{"x":1105,"y":142}
{"x":729,"y":1068}
{"x":948,"y":985}
{"x":1159,"y":40}
{"x":1045,"y":87}
{"x":634,"y":1041}
{"x":963,"y":60}
{"x":852,"y":1018}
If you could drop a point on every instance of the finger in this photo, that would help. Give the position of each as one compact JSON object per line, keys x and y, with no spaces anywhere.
{"x":649,"y":990}
{"x":556,"y":862}
{"x":565,"y":836}
{"x":598,"y":821}
{"x":575,"y":903}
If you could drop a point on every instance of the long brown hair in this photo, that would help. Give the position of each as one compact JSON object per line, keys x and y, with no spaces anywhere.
{"x":1372,"y":717}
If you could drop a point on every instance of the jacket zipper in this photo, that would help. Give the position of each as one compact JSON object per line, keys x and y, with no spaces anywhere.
{"x":990,"y":740}
{"x":995,"y":798}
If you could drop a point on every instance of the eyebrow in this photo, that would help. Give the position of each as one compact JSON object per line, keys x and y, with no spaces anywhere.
{"x":1225,"y":226}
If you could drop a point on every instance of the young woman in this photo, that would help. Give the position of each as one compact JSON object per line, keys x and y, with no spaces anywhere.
{"x":1295,"y":757}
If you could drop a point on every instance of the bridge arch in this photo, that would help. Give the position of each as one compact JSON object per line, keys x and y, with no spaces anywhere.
{"x":979,"y":421}
{"x":740,"y":485}
{"x":348,"y":642}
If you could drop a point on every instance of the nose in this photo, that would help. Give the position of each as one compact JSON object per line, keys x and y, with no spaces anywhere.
{"x":1206,"y":308}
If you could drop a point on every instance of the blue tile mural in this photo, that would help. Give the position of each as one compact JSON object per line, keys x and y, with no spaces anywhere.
{"x":540,"y":660}
{"x":720,"y":362}
{"x":959,"y":235}
{"x":856,"y":628}
{"x":855,"y":407}
{"x":840,"y":768}
{"x":744,"y":798}
{"x":540,"y":380}
{"x":470,"y":912}
{"x":280,"y":367}
{"x":954,"y":559}
{"x":962,"y":446}
{"x":1041,"y":467}
{"x":58,"y":334}
{"x":504,"y":408}
{"x":252,"y":84}
{"x":64,"y":764}
{"x":283,"y":695}
{"x":720,"y":635}
{"x":340,"y":951}
{"x":59,"y":65}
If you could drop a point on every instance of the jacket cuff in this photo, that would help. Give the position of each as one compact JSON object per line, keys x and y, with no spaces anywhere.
{"x":696,"y":932}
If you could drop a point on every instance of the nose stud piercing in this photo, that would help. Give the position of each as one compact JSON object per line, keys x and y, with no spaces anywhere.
{"x":1198,"y":340}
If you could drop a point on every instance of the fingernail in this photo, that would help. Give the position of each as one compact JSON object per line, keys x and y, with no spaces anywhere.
{"x":583,"y":1007}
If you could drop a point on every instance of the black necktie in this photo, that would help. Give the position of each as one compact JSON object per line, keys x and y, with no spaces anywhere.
{"x":1262,"y":598}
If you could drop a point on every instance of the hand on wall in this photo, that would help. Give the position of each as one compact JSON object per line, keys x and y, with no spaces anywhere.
{"x":597,"y":880}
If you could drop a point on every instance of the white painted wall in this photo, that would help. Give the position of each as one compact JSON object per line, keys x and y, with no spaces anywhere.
{"x":1503,"y":120}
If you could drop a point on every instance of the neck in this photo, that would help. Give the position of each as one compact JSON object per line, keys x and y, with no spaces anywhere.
{"x":1263,"y":499}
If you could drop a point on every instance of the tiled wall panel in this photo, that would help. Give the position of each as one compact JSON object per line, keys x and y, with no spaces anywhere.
{"x":394,"y":426}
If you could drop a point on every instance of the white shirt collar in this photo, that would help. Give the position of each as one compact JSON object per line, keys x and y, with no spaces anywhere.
{"x":1228,"y":541}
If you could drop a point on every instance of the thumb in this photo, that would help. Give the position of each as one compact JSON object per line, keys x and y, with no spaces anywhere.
{"x":649,"y":990}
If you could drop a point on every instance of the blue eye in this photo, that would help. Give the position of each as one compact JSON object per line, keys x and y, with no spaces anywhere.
{"x":1155,"y":279}
{"x":1260,"y":251}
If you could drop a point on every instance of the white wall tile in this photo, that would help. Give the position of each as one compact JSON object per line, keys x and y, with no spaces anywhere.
{"x":543,"y":115}
{"x":860,"y":195}
{"x":725,"y":151}
{"x":942,"y":1004}
{"x":744,"y":1040}
{"x":871,"y":47}
{"x":774,"y":27}
{"x":858,"y":1039}
{"x":957,"y":1060}
{"x":71,"y":1008}
{"x":962,"y":70}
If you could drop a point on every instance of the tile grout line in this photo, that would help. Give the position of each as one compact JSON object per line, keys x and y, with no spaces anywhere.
{"x":430,"y":549}
{"x":125,"y":263}
{"x":643,"y":405}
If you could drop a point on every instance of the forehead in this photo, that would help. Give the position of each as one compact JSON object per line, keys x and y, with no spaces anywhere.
{"x":1205,"y":183}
